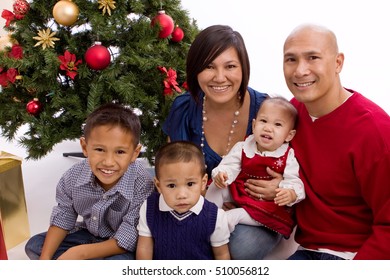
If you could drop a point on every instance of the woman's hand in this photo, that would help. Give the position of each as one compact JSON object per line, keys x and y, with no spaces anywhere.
{"x":264,"y":189}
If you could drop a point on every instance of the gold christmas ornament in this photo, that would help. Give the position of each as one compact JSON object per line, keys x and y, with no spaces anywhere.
{"x":6,"y":41}
{"x":65,"y":12}
{"x":46,"y":38}
{"x":106,"y":5}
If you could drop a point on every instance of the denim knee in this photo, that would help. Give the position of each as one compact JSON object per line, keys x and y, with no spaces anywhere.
{"x":252,"y":242}
{"x":34,"y":246}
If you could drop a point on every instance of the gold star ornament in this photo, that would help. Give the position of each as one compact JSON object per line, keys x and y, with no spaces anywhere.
{"x":107,"y":5}
{"x":45,"y":38}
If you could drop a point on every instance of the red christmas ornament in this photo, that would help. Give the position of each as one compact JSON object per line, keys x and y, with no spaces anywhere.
{"x":21,"y":8}
{"x":34,"y":107}
{"x":177,"y":34}
{"x":97,"y":57}
{"x":165,"y":22}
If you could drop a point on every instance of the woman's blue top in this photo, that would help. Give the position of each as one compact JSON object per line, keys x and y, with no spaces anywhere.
{"x":184,"y":122}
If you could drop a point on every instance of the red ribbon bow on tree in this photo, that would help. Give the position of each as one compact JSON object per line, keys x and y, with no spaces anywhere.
{"x":170,"y":81}
{"x":8,"y":16}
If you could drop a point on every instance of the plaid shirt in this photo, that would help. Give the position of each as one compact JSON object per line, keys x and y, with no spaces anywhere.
{"x":105,"y":214}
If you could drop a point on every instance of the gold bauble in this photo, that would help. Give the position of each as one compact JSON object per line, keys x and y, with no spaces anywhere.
{"x":65,"y":12}
{"x":6,"y":41}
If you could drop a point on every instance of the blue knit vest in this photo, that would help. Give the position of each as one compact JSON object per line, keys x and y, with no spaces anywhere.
{"x":188,"y":239}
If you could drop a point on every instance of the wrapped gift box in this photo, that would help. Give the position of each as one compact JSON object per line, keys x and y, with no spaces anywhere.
{"x":3,"y":250}
{"x":13,"y":210}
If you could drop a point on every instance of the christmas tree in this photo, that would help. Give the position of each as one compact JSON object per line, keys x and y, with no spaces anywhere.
{"x":62,"y":59}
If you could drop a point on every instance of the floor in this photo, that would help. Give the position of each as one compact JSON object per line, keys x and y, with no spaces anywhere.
{"x":40,"y":179}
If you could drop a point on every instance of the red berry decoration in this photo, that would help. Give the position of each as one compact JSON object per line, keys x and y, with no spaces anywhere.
{"x":177,"y":34}
{"x":165,"y":22}
{"x":34,"y":107}
{"x":97,"y":57}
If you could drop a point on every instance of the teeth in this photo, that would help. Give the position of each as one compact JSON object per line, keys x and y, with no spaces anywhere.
{"x":107,"y":171}
{"x":220,"y":88}
{"x":305,"y":84}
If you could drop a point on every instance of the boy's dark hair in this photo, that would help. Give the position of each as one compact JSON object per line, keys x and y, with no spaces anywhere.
{"x":115,"y":115}
{"x":280,"y":100}
{"x":208,"y":45}
{"x":179,"y":151}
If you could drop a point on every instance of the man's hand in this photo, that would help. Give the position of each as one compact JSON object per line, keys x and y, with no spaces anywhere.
{"x":264,"y":189}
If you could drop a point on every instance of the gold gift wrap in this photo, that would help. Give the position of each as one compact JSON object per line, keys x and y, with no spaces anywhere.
{"x":13,"y":210}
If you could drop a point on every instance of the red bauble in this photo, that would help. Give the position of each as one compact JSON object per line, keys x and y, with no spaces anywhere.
{"x":21,"y":8}
{"x":177,"y":34}
{"x":34,"y":107}
{"x":165,"y":22}
{"x":97,"y":57}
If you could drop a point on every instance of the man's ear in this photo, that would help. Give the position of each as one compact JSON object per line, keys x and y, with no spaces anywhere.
{"x":339,"y":62}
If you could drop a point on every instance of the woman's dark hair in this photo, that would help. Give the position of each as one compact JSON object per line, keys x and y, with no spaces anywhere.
{"x":207,"y":46}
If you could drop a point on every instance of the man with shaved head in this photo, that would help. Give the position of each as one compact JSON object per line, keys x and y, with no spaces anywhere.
{"x":343,"y":147}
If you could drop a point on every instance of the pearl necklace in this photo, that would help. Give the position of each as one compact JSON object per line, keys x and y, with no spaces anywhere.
{"x":231,"y":132}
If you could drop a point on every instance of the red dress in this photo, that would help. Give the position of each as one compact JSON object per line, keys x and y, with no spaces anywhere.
{"x":277,"y":218}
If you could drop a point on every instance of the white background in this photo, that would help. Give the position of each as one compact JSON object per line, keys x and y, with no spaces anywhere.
{"x":362,"y":28}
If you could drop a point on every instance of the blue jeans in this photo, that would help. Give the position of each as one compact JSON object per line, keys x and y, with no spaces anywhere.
{"x":312,"y":255}
{"x":34,"y":245}
{"x":252,"y":243}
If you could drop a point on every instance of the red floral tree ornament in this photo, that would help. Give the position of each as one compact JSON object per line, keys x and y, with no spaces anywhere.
{"x":16,"y":52}
{"x":69,"y":64}
{"x":7,"y":76}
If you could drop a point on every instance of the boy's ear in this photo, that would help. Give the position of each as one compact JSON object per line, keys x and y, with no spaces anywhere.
{"x":157,"y":184}
{"x":204,"y":185}
{"x":204,"y":182}
{"x":136,"y":153}
{"x":83,"y":144}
